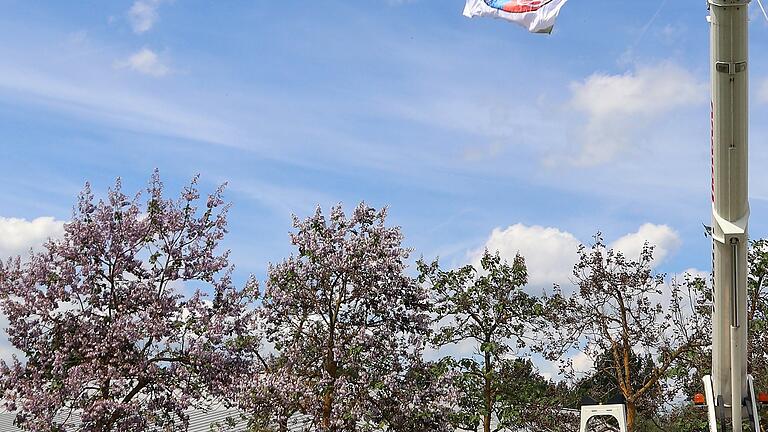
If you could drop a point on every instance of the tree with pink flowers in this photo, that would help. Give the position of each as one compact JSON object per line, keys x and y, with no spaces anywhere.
{"x":348,"y":326}
{"x":107,"y":335}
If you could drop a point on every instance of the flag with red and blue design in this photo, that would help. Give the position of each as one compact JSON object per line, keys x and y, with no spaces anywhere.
{"x":537,"y":16}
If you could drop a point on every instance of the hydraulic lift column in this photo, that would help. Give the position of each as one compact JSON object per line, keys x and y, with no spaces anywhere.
{"x":730,"y":394}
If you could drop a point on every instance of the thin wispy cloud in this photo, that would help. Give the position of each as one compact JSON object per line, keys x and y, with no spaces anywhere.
{"x":112,"y":104}
{"x":145,"y":61}
{"x":143,"y":15}
{"x":648,"y":25}
{"x":281,"y":199}
{"x":483,"y":153}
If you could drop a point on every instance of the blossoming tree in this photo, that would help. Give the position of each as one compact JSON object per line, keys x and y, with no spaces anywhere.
{"x":106,"y":333}
{"x":348,"y":322}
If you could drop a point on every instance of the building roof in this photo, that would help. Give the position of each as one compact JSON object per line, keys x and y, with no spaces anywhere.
{"x":202,"y":420}
{"x":199,"y":421}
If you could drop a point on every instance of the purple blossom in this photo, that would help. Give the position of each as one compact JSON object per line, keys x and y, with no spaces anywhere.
{"x":349,"y":327}
{"x":105,"y":332}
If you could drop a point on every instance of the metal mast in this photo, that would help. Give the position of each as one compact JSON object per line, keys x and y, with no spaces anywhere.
{"x":729,"y":391}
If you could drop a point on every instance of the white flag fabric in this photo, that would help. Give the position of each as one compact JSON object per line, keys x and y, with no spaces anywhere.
{"x":538,"y":16}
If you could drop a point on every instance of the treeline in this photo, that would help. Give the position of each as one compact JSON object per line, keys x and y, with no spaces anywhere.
{"x":338,"y":334}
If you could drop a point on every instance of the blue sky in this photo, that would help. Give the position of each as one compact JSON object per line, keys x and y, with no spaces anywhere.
{"x":460,"y":126}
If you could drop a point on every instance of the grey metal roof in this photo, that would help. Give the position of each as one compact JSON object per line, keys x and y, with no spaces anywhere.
{"x":199,"y":421}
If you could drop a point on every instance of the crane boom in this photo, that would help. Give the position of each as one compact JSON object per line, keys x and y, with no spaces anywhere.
{"x":729,"y":389}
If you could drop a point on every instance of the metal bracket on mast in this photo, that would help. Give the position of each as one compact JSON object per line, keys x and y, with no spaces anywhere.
{"x":728,"y":3}
{"x":724,"y":228}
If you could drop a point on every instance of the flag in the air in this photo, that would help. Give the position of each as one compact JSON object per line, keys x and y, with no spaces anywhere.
{"x":537,"y":16}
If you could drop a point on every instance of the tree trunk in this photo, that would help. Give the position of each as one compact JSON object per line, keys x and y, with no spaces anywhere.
{"x":631,"y":413}
{"x":327,"y":408}
{"x":487,"y":393}
{"x":332,"y":369}
{"x":327,"y":404}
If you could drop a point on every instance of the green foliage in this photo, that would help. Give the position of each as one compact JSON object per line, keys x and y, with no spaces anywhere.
{"x":601,"y":383}
{"x":758,"y":311}
{"x":488,"y":308}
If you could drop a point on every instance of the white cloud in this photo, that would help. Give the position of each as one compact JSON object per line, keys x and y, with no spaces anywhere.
{"x":617,"y":107}
{"x":143,"y":15}
{"x":582,"y":362}
{"x":664,"y":239}
{"x":17,"y":236}
{"x":465,"y":348}
{"x":549,"y":253}
{"x":694,"y":272}
{"x":7,"y":351}
{"x":145,"y":61}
